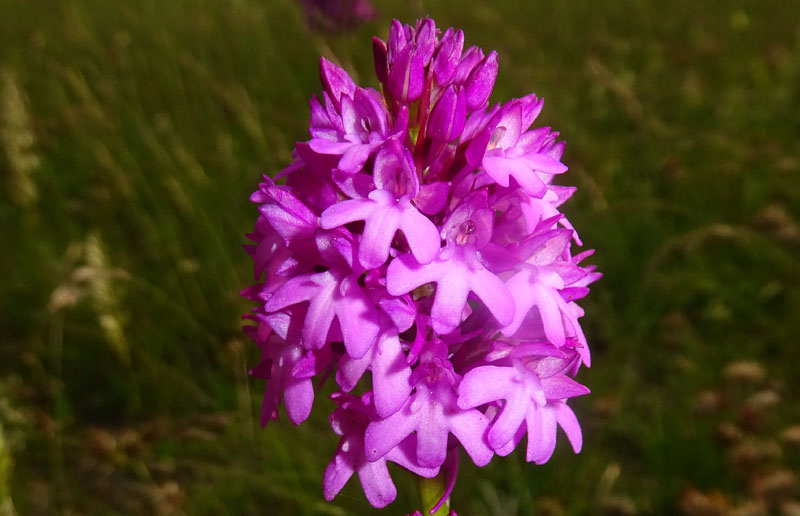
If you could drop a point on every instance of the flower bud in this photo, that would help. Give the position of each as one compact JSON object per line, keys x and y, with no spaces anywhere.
{"x":447,"y":56}
{"x":379,"y":56}
{"x":425,"y":38}
{"x":407,"y":75}
{"x":398,"y":39}
{"x":447,"y":118}
{"x":480,"y":82}
{"x":468,"y":61}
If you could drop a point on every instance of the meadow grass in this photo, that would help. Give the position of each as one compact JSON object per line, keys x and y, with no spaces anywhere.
{"x":132,"y":133}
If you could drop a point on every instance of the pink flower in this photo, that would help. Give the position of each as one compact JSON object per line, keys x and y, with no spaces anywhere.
{"x":417,"y":236}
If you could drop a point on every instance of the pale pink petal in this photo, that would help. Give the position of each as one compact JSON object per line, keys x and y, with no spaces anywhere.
{"x":286,"y":223}
{"x":432,"y":197}
{"x":544,"y":163}
{"x":319,"y":317}
{"x":296,"y":290}
{"x":541,"y":435}
{"x":562,"y":387}
{"x":390,"y":374}
{"x":494,"y":294}
{"x":511,"y":445}
{"x":551,"y":315}
{"x":527,"y":178}
{"x":451,"y":296}
{"x":511,"y":417}
{"x":404,"y":455}
{"x":351,"y":370}
{"x":519,"y":285}
{"x":379,"y":231}
{"x":497,"y":169}
{"x":384,"y":434}
{"x":358,"y":318}
{"x":405,"y":274}
{"x":421,"y":235}
{"x":569,"y":423}
{"x":337,"y":473}
{"x":299,"y":397}
{"x":510,"y":124}
{"x":354,"y":157}
{"x":377,"y":483}
{"x":326,"y":146}
{"x":346,"y":211}
{"x":432,"y":431}
{"x":469,"y":428}
{"x":484,"y":384}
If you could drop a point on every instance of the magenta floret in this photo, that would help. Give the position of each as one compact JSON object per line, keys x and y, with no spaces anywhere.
{"x":417,"y":235}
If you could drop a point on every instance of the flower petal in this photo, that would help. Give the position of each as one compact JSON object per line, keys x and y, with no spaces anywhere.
{"x":345,"y":212}
{"x":358,"y":318}
{"x":451,"y":296}
{"x":351,"y":370}
{"x":485,"y":384}
{"x":390,"y":374}
{"x":378,"y":234}
{"x":432,"y":432}
{"x":319,"y":317}
{"x":299,"y":397}
{"x":377,"y":483}
{"x":354,"y":158}
{"x":511,"y":417}
{"x":338,"y":472}
{"x":494,"y":294}
{"x":421,"y":234}
{"x":469,"y":428}
{"x":405,"y":274}
{"x":384,"y":434}
{"x":569,"y":423}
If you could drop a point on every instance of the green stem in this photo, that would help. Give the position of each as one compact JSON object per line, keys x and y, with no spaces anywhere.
{"x":431,"y":490}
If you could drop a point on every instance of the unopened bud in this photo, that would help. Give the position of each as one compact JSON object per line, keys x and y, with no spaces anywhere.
{"x":407,"y":75}
{"x":381,"y":61}
{"x":447,"y":118}
{"x":447,"y":56}
{"x":480,"y":82}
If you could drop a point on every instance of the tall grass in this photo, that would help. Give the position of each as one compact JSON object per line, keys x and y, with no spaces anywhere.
{"x":131,"y":134}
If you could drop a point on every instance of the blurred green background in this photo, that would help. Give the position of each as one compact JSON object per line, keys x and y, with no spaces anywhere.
{"x":131,"y":134}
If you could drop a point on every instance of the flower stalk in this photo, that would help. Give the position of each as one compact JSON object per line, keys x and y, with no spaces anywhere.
{"x":431,"y":491}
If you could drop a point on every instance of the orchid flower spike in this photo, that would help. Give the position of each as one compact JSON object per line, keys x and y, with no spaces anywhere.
{"x":417,"y":236}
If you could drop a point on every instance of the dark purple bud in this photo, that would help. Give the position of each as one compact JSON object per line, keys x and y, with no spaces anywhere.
{"x":335,"y":81}
{"x":381,"y":59}
{"x":426,"y":39}
{"x":447,"y":118}
{"x":407,"y":75}
{"x":468,"y":61}
{"x":480,"y":82}
{"x":447,"y":56}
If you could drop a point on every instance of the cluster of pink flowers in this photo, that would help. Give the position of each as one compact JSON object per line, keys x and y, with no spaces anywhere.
{"x":417,"y":236}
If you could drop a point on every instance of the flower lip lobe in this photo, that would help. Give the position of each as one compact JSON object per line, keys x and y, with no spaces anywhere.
{"x":417,"y":237}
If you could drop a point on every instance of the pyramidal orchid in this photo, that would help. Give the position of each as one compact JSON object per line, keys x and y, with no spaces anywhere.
{"x":417,"y":236}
